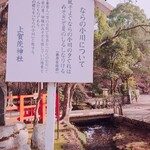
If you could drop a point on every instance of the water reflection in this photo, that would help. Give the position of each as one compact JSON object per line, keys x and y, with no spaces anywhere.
{"x":99,"y":134}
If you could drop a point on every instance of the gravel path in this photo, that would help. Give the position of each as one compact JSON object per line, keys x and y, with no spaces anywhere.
{"x":139,"y":110}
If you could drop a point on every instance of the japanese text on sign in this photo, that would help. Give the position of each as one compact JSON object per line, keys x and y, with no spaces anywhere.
{"x":53,"y":42}
{"x":20,"y":45}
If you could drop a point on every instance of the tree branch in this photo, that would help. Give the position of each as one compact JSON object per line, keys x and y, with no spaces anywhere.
{"x":119,"y":32}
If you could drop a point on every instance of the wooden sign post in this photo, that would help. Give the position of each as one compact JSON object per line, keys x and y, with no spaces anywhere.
{"x":50,"y":41}
{"x":50,"y":121}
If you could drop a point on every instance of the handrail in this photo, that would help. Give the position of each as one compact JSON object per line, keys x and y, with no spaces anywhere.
{"x":24,"y":110}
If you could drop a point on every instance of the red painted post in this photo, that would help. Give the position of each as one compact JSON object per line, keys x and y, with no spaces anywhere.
{"x":57,"y":105}
{"x":57,"y":111}
{"x":43,"y":109}
{"x":21,"y":108}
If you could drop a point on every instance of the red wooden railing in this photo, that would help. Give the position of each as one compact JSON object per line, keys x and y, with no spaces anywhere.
{"x":25,"y":113}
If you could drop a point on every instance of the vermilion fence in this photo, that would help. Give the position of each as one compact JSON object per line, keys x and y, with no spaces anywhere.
{"x":25,"y":109}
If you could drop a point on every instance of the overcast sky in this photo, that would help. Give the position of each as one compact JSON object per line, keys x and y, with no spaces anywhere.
{"x":143,"y":4}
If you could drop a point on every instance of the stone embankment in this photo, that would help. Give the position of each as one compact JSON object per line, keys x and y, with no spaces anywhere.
{"x":70,"y":135}
{"x":14,"y":137}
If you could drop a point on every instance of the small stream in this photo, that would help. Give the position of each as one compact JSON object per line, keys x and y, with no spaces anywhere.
{"x":99,"y":134}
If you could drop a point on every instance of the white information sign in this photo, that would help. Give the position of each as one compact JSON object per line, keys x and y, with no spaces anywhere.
{"x":50,"y":41}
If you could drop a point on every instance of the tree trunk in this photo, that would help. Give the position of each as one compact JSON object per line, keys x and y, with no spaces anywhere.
{"x":66,"y":102}
{"x":128,"y":96}
{"x":71,"y":96}
{"x":83,"y":91}
{"x":3,"y":99}
{"x":111,"y":86}
{"x":115,"y":86}
{"x":36,"y":115}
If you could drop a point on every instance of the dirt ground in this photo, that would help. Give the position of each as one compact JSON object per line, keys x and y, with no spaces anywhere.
{"x":71,"y":138}
{"x":126,"y":139}
{"x":72,"y":143}
{"x":132,"y":139}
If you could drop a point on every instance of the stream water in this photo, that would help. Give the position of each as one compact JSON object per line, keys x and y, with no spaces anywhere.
{"x":99,"y":134}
